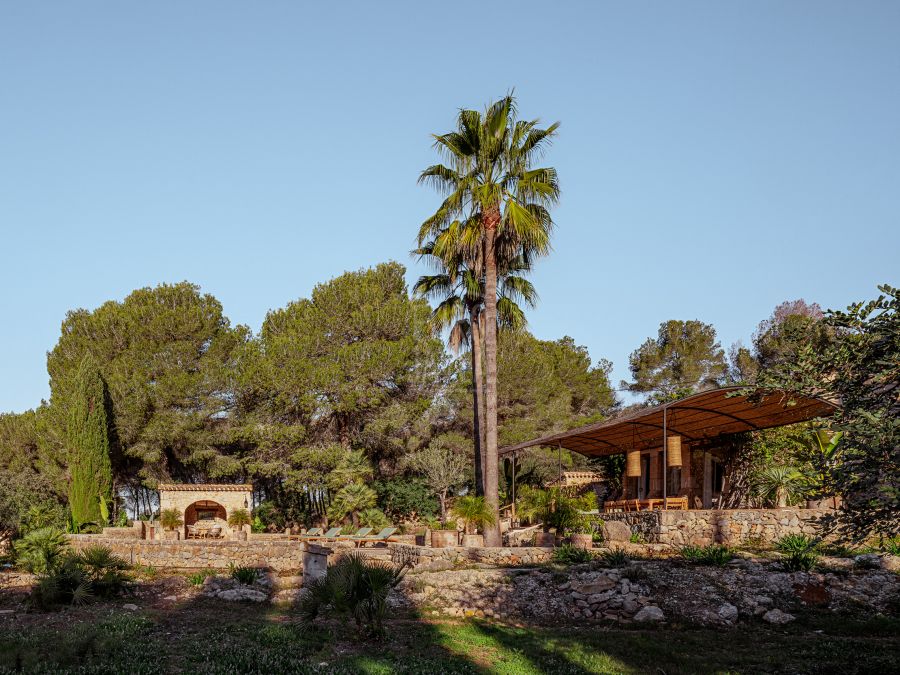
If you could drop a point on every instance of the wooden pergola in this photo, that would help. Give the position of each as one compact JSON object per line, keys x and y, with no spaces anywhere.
{"x":696,"y":418}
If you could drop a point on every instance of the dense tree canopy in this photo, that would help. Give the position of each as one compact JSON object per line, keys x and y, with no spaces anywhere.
{"x":168,"y":357}
{"x":684,"y":358}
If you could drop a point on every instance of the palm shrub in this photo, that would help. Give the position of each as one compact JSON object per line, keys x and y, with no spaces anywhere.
{"x":170,"y":519}
{"x":373,"y":518}
{"x":779,"y":484}
{"x":474,"y":512}
{"x":239,"y":518}
{"x":41,"y":550}
{"x":353,"y":586}
{"x":105,"y":571}
{"x":350,"y":501}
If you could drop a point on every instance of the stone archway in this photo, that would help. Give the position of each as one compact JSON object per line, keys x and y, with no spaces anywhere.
{"x":203,"y":510}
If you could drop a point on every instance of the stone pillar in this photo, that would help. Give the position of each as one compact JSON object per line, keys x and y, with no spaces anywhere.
{"x":315,"y":561}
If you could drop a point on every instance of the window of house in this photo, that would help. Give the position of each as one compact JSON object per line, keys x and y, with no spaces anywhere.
{"x":206,"y":514}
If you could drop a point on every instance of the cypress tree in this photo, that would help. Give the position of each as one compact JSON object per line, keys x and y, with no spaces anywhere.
{"x":87,"y":440}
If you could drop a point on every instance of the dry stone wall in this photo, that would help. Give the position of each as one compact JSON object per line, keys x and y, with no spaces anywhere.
{"x":732,"y":527}
{"x":282,"y":557}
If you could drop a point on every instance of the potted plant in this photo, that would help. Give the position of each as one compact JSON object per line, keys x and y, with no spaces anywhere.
{"x":443,"y":534}
{"x":239,"y":519}
{"x":582,"y":535}
{"x":170,"y":519}
{"x":475,"y":513}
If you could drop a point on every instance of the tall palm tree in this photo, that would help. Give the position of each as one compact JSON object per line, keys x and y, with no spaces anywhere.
{"x":490,"y":181}
{"x":460,"y":292}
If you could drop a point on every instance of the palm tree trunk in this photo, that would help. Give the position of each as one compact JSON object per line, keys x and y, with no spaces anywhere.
{"x":478,"y":402}
{"x":491,"y":478}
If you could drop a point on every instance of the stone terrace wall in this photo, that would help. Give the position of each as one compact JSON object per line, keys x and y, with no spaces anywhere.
{"x":280,"y":556}
{"x":425,"y":558}
{"x":725,"y":527}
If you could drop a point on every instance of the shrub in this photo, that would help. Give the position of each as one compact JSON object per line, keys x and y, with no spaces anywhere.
{"x":616,"y":557}
{"x":79,"y":577}
{"x":892,"y":546}
{"x":473,"y":511}
{"x":198,"y":578}
{"x":406,"y":497}
{"x":170,"y":519}
{"x":713,"y":554}
{"x":106,"y":572}
{"x":636,"y":538}
{"x":373,"y":518}
{"x":800,"y":561}
{"x":239,"y":518}
{"x":243,"y":574}
{"x":41,"y":550}
{"x":571,"y":555}
{"x":796,"y":543}
{"x":353,"y":586}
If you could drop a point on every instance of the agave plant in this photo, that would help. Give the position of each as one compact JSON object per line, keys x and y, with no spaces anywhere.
{"x":356,"y":586}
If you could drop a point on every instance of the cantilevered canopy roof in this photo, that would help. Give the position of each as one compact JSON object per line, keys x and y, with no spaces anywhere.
{"x":698,"y":417}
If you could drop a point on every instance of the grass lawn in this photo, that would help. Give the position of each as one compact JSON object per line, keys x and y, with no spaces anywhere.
{"x":207,"y":636}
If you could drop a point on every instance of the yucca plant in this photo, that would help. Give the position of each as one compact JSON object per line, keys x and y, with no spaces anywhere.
{"x":243,"y":574}
{"x":41,"y":550}
{"x":800,"y":552}
{"x":354,"y":586}
{"x":779,"y":484}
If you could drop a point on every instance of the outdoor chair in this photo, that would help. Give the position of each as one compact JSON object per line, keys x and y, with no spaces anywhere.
{"x":312,"y":532}
{"x":331,"y":534}
{"x":382,"y":537}
{"x":363,"y":531}
{"x":214,"y":532}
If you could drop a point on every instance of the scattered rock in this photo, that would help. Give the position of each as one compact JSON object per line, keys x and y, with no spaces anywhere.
{"x":170,"y":598}
{"x":778,"y":617}
{"x":238,"y":594}
{"x":650,"y":614}
{"x":130,"y":607}
{"x":728,"y":613}
{"x":867,"y":561}
{"x":598,"y":586}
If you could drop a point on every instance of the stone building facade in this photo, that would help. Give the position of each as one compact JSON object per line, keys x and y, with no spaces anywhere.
{"x":210,"y":503}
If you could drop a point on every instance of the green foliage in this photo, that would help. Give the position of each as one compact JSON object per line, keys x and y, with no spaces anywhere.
{"x":557,"y":509}
{"x":406,"y":498}
{"x":442,"y":464}
{"x":350,"y":501}
{"x":354,"y":586}
{"x":76,"y":578}
{"x":712,"y":554}
{"x":40,"y":550}
{"x":615,"y":557}
{"x":374,"y":518}
{"x":243,"y":574}
{"x":571,"y":555}
{"x":636,"y":538}
{"x":859,"y":365}
{"x":474,"y":512}
{"x":779,"y":485}
{"x":238,"y":518}
{"x":684,"y":358}
{"x":170,"y":519}
{"x":167,"y":356}
{"x":87,"y":442}
{"x":198,"y":578}
{"x":800,"y":552}
{"x":891,"y":545}
{"x":122,"y":520}
{"x":257,"y":525}
{"x":792,"y":543}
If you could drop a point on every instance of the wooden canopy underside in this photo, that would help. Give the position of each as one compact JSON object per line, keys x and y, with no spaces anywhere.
{"x":699,"y":417}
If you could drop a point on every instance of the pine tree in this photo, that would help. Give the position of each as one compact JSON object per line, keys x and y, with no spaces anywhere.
{"x":87,"y":441}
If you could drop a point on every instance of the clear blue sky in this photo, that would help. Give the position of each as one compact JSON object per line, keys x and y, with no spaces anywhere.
{"x":716,"y":158}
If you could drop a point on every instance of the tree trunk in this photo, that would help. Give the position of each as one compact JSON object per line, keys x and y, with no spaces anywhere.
{"x":491,"y":477}
{"x":442,"y":497}
{"x":478,"y":402}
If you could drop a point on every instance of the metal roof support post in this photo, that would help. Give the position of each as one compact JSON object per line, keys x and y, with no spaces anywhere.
{"x":665,"y":463}
{"x":512,"y":519}
{"x":559,"y":462}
